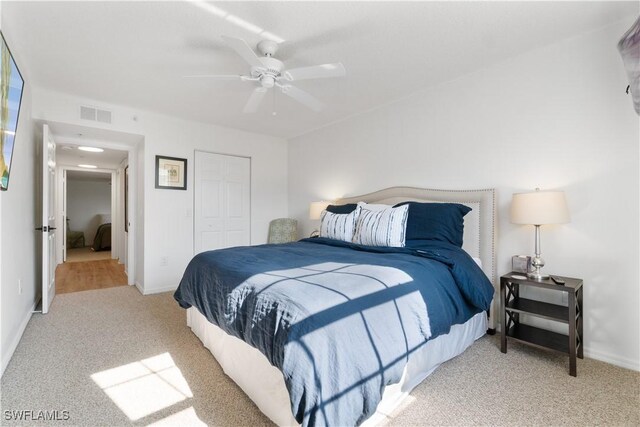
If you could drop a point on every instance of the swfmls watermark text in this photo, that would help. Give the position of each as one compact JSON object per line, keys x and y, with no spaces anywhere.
{"x":35,"y":415}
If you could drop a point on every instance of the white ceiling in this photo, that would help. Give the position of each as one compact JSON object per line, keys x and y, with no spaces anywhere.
{"x":73,"y":175}
{"x":67,"y":154}
{"x":134,"y":53}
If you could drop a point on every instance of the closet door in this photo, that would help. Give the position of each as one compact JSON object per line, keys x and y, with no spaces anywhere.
{"x":222,"y":201}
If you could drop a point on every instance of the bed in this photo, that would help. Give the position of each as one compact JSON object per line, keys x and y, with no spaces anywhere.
{"x":323,"y":332}
{"x":102,"y":240}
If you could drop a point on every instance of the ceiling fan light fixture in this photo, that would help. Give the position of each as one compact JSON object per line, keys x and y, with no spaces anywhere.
{"x":271,"y":72}
{"x":267,"y":81}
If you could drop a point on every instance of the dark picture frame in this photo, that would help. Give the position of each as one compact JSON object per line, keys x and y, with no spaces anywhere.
{"x":171,"y":173}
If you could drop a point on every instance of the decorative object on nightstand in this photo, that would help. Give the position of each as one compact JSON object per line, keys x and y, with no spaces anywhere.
{"x":539,"y":208}
{"x":512,"y":306}
{"x":521,"y":263}
{"x":315,"y":210}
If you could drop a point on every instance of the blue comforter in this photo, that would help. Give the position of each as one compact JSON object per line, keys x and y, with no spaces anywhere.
{"x":338,"y":319}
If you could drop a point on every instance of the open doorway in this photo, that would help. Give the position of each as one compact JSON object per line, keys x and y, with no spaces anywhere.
{"x":91,"y":194}
{"x":88,"y":224}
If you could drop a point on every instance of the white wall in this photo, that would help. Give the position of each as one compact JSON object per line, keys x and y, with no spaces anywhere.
{"x":86,"y":201}
{"x":18,"y":239}
{"x":165,"y":217}
{"x":557,"y":117}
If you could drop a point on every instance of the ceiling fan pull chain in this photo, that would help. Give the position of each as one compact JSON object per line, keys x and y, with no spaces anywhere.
{"x":274,"y":112}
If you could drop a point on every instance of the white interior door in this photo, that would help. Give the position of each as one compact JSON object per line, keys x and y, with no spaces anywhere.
{"x":48,"y":219}
{"x":222,"y":201}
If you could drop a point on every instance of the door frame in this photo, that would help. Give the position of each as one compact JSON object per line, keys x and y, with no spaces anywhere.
{"x":132,"y":159}
{"x":61,"y":209}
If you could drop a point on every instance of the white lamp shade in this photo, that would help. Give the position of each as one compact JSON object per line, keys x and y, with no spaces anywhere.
{"x":539,"y":207}
{"x":316,"y":208}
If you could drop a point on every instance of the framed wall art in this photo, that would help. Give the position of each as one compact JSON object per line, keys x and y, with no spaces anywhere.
{"x":171,"y":173}
{"x":11,"y":86}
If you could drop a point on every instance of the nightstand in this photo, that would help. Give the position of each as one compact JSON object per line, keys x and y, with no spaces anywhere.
{"x":512,"y":305}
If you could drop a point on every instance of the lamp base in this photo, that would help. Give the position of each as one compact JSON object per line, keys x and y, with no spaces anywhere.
{"x":536,"y":275}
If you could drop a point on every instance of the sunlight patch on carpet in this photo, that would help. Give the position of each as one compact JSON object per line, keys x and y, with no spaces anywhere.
{"x":186,"y":417}
{"x":142,"y":388}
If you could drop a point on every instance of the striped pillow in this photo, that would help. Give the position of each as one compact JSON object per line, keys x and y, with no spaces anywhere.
{"x":386,"y":227}
{"x":338,"y":226}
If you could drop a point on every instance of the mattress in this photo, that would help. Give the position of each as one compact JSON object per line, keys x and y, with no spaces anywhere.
{"x":264,"y":383}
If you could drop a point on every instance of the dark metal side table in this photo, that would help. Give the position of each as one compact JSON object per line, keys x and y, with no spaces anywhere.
{"x":512,"y":305}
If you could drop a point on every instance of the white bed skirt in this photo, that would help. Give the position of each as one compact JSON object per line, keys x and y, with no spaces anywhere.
{"x":264,"y":384}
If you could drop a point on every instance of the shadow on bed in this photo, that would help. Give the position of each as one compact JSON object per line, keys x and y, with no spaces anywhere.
{"x":339,"y":321}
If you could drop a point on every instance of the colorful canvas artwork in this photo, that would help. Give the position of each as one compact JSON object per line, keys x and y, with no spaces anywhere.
{"x":11,"y":87}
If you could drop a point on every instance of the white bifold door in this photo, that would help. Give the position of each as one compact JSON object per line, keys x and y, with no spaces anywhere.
{"x":222,"y":195}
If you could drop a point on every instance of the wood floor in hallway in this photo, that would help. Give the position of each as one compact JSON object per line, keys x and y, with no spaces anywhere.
{"x":84,"y":276}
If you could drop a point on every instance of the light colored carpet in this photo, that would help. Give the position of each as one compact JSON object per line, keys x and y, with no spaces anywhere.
{"x":148,"y":367}
{"x":86,"y":254}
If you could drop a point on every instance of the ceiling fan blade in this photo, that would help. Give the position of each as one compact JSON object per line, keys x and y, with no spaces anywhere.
{"x":316,"y":72}
{"x":214,"y":77}
{"x":242,"y":48}
{"x":254,"y":100}
{"x":303,"y":97}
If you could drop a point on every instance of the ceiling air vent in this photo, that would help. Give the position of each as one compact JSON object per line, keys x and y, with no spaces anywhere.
{"x":95,"y":114}
{"x":104,"y":116}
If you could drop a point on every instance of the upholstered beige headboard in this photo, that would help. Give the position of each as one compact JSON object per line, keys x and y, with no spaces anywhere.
{"x":479,"y":224}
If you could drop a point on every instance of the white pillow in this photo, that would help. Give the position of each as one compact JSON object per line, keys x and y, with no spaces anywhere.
{"x":339,"y":226}
{"x":387,"y":227}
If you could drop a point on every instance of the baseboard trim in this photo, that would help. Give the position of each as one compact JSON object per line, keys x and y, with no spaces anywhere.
{"x":140,"y":287}
{"x":613,"y":359}
{"x":159,"y":290}
{"x":7,"y":353}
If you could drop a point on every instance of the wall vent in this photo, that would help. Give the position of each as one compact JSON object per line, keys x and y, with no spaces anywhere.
{"x":95,"y":114}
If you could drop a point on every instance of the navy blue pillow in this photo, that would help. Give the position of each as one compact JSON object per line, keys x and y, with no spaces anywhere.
{"x":342,"y":209}
{"x":435,"y":221}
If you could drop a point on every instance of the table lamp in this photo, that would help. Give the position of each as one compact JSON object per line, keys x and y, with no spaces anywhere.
{"x":539,"y":208}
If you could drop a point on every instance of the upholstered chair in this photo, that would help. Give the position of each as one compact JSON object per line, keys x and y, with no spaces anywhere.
{"x":283,"y":230}
{"x":75,"y":239}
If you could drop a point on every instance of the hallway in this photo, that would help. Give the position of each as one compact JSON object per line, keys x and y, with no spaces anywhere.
{"x":84,"y":276}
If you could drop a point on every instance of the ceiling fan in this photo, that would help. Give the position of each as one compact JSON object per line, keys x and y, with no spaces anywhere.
{"x":268,"y":72}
